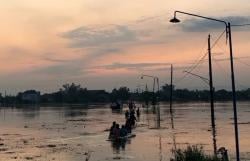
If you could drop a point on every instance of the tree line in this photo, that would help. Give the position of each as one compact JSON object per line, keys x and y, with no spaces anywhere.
{"x":74,"y":93}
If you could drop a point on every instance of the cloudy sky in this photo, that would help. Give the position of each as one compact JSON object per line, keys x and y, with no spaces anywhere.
{"x":102,"y":44}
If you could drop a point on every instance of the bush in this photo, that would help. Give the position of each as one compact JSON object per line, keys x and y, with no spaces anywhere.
{"x":193,"y":153}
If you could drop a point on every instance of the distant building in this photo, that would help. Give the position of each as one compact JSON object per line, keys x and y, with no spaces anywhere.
{"x":30,"y":96}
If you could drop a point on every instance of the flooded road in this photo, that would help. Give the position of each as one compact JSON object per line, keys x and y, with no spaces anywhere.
{"x":80,"y":133}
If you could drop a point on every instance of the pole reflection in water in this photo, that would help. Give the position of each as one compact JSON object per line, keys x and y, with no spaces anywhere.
{"x":214,"y":139}
{"x":153,"y":109}
{"x":160,"y":148}
{"x":158,"y":116}
{"x":146,"y":116}
{"x":153,"y":114}
{"x":173,"y":132}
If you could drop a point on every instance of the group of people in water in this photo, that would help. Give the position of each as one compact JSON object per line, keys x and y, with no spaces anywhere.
{"x":117,"y":132}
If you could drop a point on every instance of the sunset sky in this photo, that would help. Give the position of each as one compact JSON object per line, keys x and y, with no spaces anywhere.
{"x":103,"y":44}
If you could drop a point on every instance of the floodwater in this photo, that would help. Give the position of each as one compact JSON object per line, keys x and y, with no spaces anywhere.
{"x":80,"y":133}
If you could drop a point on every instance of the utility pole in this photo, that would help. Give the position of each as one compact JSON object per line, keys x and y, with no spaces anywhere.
{"x":154,"y":86}
{"x":211,"y":94}
{"x":157,"y":103}
{"x":171,"y":90}
{"x":171,"y":110}
{"x":234,"y":94}
{"x":5,"y":99}
{"x":146,"y":95}
{"x":158,"y":85}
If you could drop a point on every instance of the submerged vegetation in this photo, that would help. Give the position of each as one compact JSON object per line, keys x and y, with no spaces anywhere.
{"x":74,"y":93}
{"x":193,"y":153}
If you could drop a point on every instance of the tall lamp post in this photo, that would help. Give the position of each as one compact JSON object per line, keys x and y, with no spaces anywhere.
{"x":229,"y":36}
{"x":156,"y":80}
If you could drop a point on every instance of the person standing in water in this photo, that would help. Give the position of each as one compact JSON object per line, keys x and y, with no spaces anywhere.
{"x":126,"y":114}
{"x":111,"y":134}
{"x":123,"y":131}
{"x":116,"y":132}
{"x":138,"y":112}
{"x":130,"y":105}
{"x":132,"y":118}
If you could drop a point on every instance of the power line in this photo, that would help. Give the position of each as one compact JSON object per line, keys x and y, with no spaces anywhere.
{"x":217,"y":40}
{"x":201,"y":60}
{"x":192,"y":68}
{"x":247,"y":24}
{"x":194,"y":64}
{"x":227,"y":74}
{"x":243,"y":62}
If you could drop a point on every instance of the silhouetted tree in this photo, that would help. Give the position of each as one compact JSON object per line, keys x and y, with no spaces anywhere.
{"x":121,"y":94}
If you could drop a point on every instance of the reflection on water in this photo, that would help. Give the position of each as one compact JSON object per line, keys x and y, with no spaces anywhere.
{"x":173,"y":132}
{"x":160,"y":148}
{"x":119,"y":145}
{"x":158,"y":113}
{"x":75,"y":133}
{"x":214,"y":139}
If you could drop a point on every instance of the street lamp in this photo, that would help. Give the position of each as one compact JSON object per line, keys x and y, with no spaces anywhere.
{"x":229,"y":36}
{"x":156,"y":80}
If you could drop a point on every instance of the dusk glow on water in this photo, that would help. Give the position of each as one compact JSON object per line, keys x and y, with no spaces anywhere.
{"x":71,"y":133}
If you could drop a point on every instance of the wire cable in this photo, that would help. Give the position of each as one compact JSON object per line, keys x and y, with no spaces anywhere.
{"x":226,"y":73}
{"x":243,"y":62}
{"x":247,"y":24}
{"x":201,"y":60}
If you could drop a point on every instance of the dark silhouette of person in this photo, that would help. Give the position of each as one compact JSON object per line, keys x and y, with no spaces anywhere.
{"x":123,"y":131}
{"x":130,"y":105}
{"x":128,"y":125}
{"x":127,"y":114}
{"x":132,"y":118}
{"x":111,"y":134}
{"x":116,"y":132}
{"x":138,"y":112}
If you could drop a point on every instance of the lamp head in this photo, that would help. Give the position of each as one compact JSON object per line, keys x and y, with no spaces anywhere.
{"x":174,"y":20}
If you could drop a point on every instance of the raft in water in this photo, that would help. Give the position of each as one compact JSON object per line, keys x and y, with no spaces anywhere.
{"x":122,"y":138}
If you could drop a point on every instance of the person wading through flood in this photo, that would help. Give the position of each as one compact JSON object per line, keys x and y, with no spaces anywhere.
{"x":116,"y":132}
{"x":123,"y":131}
{"x":128,"y":125}
{"x":111,"y":134}
{"x":126,"y":114}
{"x":132,"y":118}
{"x":138,"y":113}
{"x":130,"y":105}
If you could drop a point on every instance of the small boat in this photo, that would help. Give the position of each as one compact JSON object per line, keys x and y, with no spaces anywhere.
{"x":122,"y":138}
{"x":116,"y":106}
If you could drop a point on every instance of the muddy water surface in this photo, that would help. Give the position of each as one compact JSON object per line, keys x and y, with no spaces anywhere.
{"x":80,"y":133}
